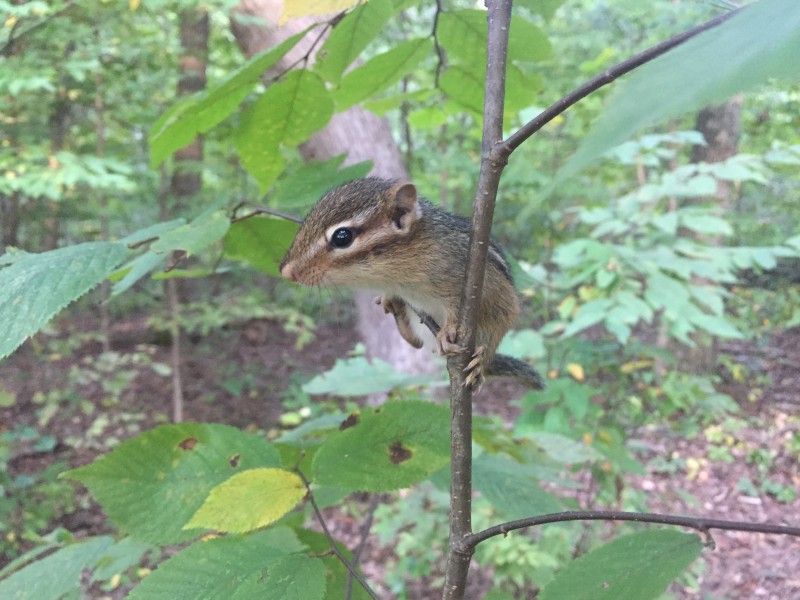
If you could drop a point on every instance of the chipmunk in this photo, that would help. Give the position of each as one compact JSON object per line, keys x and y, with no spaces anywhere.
{"x":377,"y":234}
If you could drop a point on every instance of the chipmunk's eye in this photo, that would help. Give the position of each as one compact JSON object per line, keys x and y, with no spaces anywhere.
{"x":342,"y":238}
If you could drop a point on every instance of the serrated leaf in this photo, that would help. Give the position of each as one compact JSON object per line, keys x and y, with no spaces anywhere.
{"x":380,"y":72}
{"x":307,"y":184}
{"x":288,"y":112}
{"x":507,"y":485}
{"x":261,"y":241}
{"x":319,"y":545}
{"x":119,"y":557}
{"x":133,"y":271}
{"x":756,"y":45}
{"x":293,"y":577}
{"x":195,"y":236}
{"x":350,"y":36}
{"x":151,"y":231}
{"x":202,"y":111}
{"x":386,"y":448}
{"x":151,"y":485}
{"x":216,"y":568}
{"x":57,"y":574}
{"x":34,"y":287}
{"x":249,"y":500}
{"x":639,"y":566}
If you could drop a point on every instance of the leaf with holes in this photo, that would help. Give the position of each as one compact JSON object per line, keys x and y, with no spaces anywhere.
{"x":34,"y":287}
{"x":385,"y":448}
{"x":151,"y":485}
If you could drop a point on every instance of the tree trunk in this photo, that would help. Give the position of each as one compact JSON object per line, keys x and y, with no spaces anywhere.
{"x":362,"y":136}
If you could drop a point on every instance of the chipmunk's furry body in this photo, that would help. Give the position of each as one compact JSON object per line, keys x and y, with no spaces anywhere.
{"x":376,"y":234}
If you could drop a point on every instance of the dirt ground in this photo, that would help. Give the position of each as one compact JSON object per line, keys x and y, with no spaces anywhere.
{"x":241,"y":377}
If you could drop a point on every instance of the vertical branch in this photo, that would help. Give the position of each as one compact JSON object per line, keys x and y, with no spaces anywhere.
{"x":100,"y":151}
{"x":492,"y":163}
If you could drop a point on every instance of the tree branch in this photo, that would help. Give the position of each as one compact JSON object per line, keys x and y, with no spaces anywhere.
{"x":459,"y":551}
{"x":373,"y":506}
{"x":701,"y":524}
{"x":331,"y":541}
{"x":604,"y":78}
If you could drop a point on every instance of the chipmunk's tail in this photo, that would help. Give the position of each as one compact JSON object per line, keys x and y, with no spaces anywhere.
{"x":506,"y":366}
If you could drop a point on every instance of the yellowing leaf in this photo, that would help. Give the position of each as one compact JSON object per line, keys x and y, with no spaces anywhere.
{"x":635,"y":365}
{"x":293,"y":9}
{"x":249,"y":500}
{"x":576,"y":371}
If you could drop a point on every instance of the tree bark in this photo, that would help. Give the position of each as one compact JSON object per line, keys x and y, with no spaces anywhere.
{"x":362,"y":136}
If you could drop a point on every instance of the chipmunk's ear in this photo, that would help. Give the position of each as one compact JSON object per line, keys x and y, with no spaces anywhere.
{"x":403,"y":207}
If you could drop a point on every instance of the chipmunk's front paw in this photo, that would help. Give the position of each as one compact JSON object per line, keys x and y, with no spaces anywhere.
{"x":447,"y":341}
{"x":474,"y":371}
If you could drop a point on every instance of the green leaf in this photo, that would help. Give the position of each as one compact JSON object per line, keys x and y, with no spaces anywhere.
{"x":197,"y":114}
{"x":385,"y":448}
{"x":527,"y":42}
{"x":715,"y":325}
{"x":359,"y":376}
{"x":462,"y":33}
{"x":151,"y":485}
{"x":150,"y":232}
{"x":293,"y":577}
{"x":380,"y":72}
{"x":119,"y":558}
{"x":307,"y":184}
{"x":34,"y":287}
{"x":195,"y":236}
{"x":287,"y":113}
{"x":136,"y":269}
{"x":507,"y":485}
{"x":588,"y":314}
{"x":639,"y":566}
{"x":563,"y":449}
{"x":350,"y":37}
{"x":249,"y":500}
{"x":319,"y":545}
{"x":261,"y":241}
{"x":57,"y":574}
{"x":464,"y":87}
{"x":525,"y":343}
{"x":751,"y":48}
{"x":218,"y":567}
{"x":705,"y":223}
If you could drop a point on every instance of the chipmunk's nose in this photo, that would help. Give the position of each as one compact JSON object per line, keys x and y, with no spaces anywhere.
{"x":286,"y":270}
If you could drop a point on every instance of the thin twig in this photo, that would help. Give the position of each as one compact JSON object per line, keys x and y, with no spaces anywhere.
{"x":441,"y":60}
{"x":331,"y":541}
{"x":260,"y":210}
{"x":604,"y":78}
{"x":459,"y":552}
{"x":362,"y":542}
{"x":701,"y":524}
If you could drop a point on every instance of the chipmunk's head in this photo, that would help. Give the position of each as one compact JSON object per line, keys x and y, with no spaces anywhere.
{"x":349,"y":237}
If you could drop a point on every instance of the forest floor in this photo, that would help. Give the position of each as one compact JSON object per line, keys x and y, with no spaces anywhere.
{"x":78,"y":404}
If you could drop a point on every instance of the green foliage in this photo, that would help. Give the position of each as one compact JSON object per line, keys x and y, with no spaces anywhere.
{"x":385,"y":448}
{"x":34,"y":287}
{"x":260,"y":241}
{"x":358,"y":376}
{"x":169,"y":472}
{"x":715,"y":65}
{"x":639,"y":565}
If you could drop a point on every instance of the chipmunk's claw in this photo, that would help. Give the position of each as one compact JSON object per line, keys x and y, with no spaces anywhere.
{"x":474,"y":371}
{"x":447,"y":341}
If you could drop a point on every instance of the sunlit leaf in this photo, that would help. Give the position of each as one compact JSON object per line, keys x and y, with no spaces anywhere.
{"x":151,"y":485}
{"x":359,"y":376}
{"x":305,"y":8}
{"x":249,"y":500}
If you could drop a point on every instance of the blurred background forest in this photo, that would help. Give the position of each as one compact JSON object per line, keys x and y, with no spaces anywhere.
{"x":661,"y":286}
